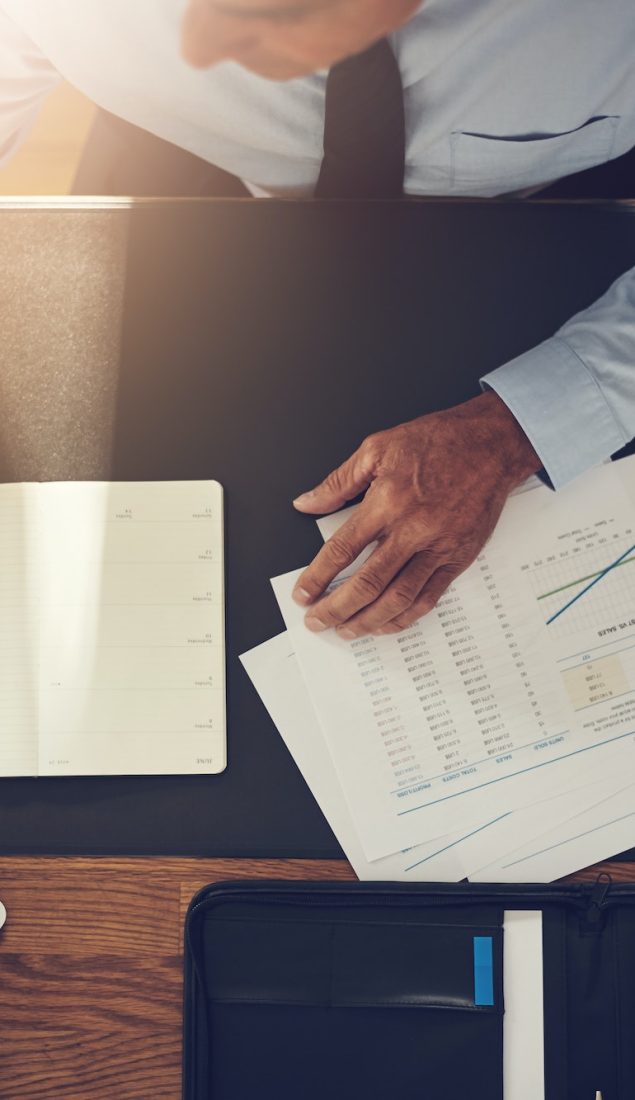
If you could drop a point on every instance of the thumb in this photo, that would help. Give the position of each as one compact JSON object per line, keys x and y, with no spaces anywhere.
{"x":344,"y":483}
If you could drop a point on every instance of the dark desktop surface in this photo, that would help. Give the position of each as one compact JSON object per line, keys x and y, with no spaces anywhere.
{"x":257,"y":343}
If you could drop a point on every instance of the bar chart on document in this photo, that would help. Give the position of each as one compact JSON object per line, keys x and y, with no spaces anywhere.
{"x":585,"y":590}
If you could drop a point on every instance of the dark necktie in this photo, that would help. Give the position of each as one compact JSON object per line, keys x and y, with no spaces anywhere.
{"x":364,"y":130}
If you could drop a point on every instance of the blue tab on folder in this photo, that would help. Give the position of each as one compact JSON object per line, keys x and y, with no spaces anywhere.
{"x":483,"y":971}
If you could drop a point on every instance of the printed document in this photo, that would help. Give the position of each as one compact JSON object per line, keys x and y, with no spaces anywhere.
{"x":481,"y":708}
{"x":274,"y":672}
{"x":593,"y":834}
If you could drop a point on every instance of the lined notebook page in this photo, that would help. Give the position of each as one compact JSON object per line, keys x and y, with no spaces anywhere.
{"x":131,"y":628}
{"x":18,"y":631}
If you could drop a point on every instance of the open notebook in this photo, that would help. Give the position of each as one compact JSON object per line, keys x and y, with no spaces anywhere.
{"x":112,"y":649}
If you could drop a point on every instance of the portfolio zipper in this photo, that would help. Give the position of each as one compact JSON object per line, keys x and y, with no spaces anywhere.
{"x":283,"y":894}
{"x":592,"y":920}
{"x":591,"y":901}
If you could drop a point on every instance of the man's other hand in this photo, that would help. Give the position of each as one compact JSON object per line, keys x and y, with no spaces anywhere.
{"x":435,"y":489}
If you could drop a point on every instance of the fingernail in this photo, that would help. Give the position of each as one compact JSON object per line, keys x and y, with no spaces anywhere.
{"x":314,"y":624}
{"x":300,"y":595}
{"x":347,"y":634}
{"x":305,"y":498}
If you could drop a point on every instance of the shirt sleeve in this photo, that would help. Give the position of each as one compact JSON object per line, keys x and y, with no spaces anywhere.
{"x":26,"y":78}
{"x":574,"y":394}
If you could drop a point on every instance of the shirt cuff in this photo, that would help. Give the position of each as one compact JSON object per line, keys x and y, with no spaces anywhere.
{"x":560,"y":407}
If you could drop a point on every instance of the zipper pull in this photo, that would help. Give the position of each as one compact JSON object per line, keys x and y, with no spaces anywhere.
{"x":593,"y":917}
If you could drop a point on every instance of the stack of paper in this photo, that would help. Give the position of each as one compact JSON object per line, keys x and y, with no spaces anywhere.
{"x":495,"y":738}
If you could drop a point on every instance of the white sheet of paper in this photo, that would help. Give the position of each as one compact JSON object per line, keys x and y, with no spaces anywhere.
{"x":480,"y":674}
{"x":464,"y":854}
{"x":471,"y":854}
{"x":596,"y":657}
{"x":274,"y":671}
{"x":596,"y":834}
{"x":275,"y":674}
{"x":523,"y":1023}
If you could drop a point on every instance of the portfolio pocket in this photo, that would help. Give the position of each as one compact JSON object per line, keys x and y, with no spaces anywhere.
{"x":409,"y":965}
{"x":340,"y":1008}
{"x":488,"y":164}
{"x":348,"y":964}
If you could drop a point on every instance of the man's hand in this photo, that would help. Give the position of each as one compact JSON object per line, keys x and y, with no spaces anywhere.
{"x":436,"y":487}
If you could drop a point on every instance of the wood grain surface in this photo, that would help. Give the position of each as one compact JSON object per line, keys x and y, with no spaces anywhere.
{"x":90,"y":970}
{"x":90,"y":967}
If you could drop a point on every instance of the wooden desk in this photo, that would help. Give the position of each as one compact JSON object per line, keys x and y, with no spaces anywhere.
{"x":90,"y":971}
{"x":90,"y":966}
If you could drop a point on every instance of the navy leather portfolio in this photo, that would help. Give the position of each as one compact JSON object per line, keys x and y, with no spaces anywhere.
{"x":340,"y":991}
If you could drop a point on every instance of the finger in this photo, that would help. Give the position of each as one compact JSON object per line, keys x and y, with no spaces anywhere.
{"x":365,"y":586}
{"x":337,"y":553}
{"x":397,"y":598}
{"x":428,"y":598}
{"x":342,"y":484}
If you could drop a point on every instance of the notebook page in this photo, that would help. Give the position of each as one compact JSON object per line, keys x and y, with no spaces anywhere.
{"x":132,"y":668}
{"x":18,"y":654}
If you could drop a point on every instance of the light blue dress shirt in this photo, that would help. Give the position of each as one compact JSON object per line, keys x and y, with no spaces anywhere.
{"x":574,"y":394}
{"x":501,"y":97}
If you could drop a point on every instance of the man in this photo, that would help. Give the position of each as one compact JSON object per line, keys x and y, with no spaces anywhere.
{"x":488,"y":97}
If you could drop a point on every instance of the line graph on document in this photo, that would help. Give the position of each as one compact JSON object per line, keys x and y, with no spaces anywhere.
{"x":585,"y":590}
{"x":588,"y":583}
